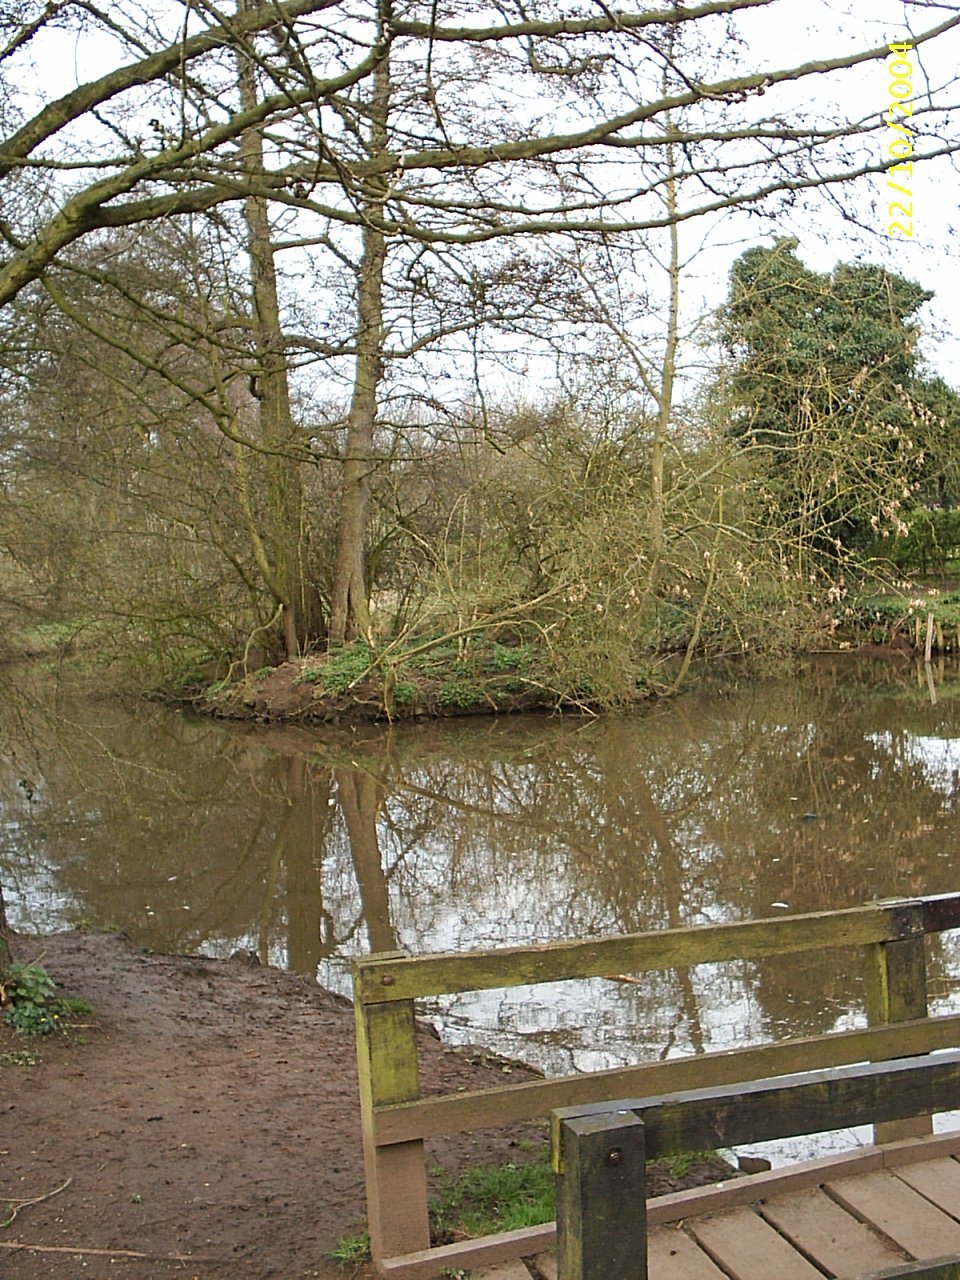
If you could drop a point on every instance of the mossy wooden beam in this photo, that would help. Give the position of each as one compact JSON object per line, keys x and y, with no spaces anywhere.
{"x":380,"y":980}
{"x":396,"y":1179}
{"x":602,"y":1225}
{"x":783,"y":1107}
{"x":896,"y":991}
{"x":938,"y":1269}
{"x":532,"y":1100}
{"x":940,"y":911}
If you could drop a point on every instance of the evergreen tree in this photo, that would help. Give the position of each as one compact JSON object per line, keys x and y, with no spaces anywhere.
{"x":828,"y":395}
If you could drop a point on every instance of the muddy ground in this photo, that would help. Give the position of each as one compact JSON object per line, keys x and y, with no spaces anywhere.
{"x":203,"y":1124}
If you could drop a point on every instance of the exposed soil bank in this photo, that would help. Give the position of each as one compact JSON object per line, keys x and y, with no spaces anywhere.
{"x":287,"y":693}
{"x":206,"y":1118}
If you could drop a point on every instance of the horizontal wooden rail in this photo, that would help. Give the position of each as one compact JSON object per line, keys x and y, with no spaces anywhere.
{"x":785,"y":1106}
{"x":532,"y":1100}
{"x":396,"y":1119}
{"x":600,"y":1152}
{"x":379,"y":980}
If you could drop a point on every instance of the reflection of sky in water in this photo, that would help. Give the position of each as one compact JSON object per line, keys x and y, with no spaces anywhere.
{"x":938,"y":757}
{"x":793,"y":797}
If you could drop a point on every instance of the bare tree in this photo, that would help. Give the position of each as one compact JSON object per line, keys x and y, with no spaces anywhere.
{"x":542,"y":121}
{"x":280,"y":555}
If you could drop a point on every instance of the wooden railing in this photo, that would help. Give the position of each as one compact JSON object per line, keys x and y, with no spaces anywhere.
{"x":600,"y":1152}
{"x":396,"y":1119}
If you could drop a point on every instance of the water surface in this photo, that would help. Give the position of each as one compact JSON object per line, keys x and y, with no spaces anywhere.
{"x":309,"y":845}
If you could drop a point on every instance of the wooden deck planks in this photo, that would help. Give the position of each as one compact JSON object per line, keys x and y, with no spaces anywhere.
{"x":748,"y":1248}
{"x":672,"y":1255}
{"x":900,"y":1213}
{"x":828,"y":1234}
{"x":938,"y":1180}
{"x":546,"y":1264}
{"x":726,"y":1239}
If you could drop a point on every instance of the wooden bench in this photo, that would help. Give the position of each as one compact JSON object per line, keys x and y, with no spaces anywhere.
{"x":600,"y":1151}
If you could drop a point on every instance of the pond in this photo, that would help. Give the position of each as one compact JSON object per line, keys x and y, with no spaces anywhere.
{"x":308,"y":845}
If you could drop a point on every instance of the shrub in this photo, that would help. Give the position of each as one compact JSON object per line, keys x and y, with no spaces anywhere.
{"x":26,"y":991}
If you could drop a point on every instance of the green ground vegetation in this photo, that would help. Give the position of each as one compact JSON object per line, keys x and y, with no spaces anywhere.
{"x":29,"y":1002}
{"x":494,"y":1198}
{"x":435,"y":672}
{"x":508,"y":1196}
{"x":480,"y":1201}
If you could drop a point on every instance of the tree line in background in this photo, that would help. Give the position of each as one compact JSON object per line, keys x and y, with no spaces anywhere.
{"x":266,"y":286}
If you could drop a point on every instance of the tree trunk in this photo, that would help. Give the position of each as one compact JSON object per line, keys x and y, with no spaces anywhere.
{"x":661,"y":431}
{"x":284,"y":536}
{"x":361,"y":796}
{"x":349,"y":605}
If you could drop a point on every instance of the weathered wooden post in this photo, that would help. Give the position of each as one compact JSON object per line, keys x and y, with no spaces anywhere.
{"x":396,"y":1176}
{"x":896,"y":991}
{"x":600,"y":1163}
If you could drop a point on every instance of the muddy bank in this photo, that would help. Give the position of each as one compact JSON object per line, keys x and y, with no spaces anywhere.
{"x":208,"y":1110}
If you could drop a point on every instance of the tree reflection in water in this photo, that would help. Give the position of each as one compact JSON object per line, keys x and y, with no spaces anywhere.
{"x":307,"y":845}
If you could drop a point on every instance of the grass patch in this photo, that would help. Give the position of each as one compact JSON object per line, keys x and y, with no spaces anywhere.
{"x":491,"y":1198}
{"x":520,"y":1193}
{"x":679,"y":1166}
{"x":351,"y":1251}
{"x":480,"y":1201}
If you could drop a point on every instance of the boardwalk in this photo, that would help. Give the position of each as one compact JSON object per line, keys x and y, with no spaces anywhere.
{"x":845,"y":1218}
